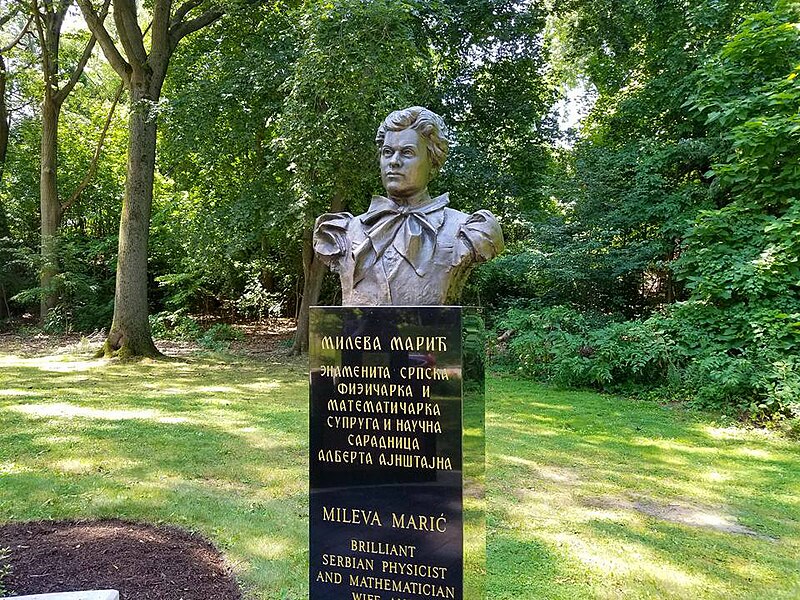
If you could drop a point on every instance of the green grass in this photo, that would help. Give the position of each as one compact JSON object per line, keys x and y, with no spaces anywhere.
{"x":589,"y":496}
{"x":598,"y":497}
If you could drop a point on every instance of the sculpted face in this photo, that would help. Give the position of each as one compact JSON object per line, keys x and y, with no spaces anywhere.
{"x":405,"y":165}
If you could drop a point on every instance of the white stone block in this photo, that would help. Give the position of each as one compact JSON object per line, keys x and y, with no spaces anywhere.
{"x":88,"y":595}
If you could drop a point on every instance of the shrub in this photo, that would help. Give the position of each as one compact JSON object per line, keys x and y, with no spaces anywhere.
{"x":745,"y":365}
{"x":218,"y":337}
{"x":570,"y":348}
{"x":174,"y":326}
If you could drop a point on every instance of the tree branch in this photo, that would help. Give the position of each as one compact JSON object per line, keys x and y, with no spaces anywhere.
{"x":110,"y":49}
{"x":10,"y":15}
{"x":95,"y":159}
{"x":19,"y":37}
{"x":183,"y":10}
{"x":87,"y":53}
{"x":160,"y":50}
{"x":130,"y":35}
{"x":46,"y":65}
{"x":180,"y":31}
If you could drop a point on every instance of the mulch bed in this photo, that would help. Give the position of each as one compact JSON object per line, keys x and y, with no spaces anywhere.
{"x":141,"y":561}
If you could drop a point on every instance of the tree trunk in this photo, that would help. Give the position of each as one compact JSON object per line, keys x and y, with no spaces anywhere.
{"x":49,"y":203}
{"x":130,"y":331}
{"x":313,"y":275}
{"x":4,"y":133}
{"x":4,"y":123}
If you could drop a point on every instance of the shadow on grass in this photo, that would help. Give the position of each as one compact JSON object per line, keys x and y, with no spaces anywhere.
{"x":531,"y":569}
{"x":609,"y":484}
{"x":214,"y":447}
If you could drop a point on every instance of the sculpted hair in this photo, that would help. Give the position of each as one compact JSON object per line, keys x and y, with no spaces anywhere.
{"x":427,"y":123}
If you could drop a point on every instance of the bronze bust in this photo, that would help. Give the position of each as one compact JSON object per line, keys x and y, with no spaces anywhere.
{"x":408,"y":248}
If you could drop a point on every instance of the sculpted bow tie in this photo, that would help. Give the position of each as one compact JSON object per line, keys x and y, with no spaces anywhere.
{"x":410,"y":230}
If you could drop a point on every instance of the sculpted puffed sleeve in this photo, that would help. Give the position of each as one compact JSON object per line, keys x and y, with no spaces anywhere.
{"x":482,"y":233}
{"x":330,"y":237}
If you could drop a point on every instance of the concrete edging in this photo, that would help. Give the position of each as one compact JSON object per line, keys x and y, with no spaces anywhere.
{"x":88,"y":595}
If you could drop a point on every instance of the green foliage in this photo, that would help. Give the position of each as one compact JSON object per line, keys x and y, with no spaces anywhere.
{"x":180,"y":326}
{"x":747,"y":250}
{"x":357,"y":62}
{"x":175,"y":326}
{"x":208,"y":423}
{"x":490,"y":64}
{"x":741,"y":260}
{"x":258,"y":302}
{"x":570,"y":348}
{"x":221,"y":219}
{"x":85,"y":284}
{"x":762,"y":386}
{"x":678,"y":354}
{"x":218,"y":337}
{"x":738,"y":359}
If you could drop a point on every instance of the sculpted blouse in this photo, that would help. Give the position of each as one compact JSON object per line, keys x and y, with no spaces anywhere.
{"x":400,"y":255}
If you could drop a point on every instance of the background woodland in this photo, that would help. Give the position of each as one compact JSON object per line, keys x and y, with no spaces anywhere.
{"x":653,"y":245}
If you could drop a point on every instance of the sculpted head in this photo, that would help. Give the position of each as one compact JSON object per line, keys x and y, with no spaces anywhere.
{"x":412,"y":145}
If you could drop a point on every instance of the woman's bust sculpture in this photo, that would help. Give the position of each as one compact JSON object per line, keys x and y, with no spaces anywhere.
{"x":408,"y":248}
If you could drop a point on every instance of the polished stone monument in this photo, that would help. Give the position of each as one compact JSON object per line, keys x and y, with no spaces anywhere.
{"x":397,"y":453}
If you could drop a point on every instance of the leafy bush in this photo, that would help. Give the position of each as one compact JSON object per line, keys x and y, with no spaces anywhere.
{"x":180,"y":326}
{"x":175,"y":326}
{"x":218,"y":337}
{"x":257,"y":302}
{"x":562,"y":345}
{"x":746,"y":365}
{"x":84,"y":285}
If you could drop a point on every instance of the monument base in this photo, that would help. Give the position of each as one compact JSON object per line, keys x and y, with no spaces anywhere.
{"x":397,"y":466}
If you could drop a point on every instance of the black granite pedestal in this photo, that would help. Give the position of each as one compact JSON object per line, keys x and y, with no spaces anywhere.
{"x":396,"y":454}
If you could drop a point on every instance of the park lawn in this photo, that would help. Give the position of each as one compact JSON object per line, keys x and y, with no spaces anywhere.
{"x":589,"y":496}
{"x":594,"y":496}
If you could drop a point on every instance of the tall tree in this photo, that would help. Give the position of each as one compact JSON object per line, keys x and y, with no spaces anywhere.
{"x":8,"y":16}
{"x":638,"y":176}
{"x":233,"y":235}
{"x":142,"y":71}
{"x":48,"y":17}
{"x":5,"y":118}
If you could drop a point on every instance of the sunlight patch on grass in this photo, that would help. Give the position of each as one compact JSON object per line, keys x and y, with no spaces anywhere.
{"x":75,"y":465}
{"x":269,"y":547}
{"x":589,"y":497}
{"x":673,"y":446}
{"x":263,"y":386}
{"x":14,"y":392}
{"x":632,"y":561}
{"x":627,"y":500}
{"x":167,"y":391}
{"x":216,"y":389}
{"x":173,"y":420}
{"x":717,"y":477}
{"x":754,"y":453}
{"x":11,"y":468}
{"x":736,"y":433}
{"x":54,"y":364}
{"x":70,"y":411}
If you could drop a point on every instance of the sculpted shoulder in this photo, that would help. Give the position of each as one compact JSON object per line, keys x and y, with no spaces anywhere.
{"x":330,"y":236}
{"x":482,"y":233}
